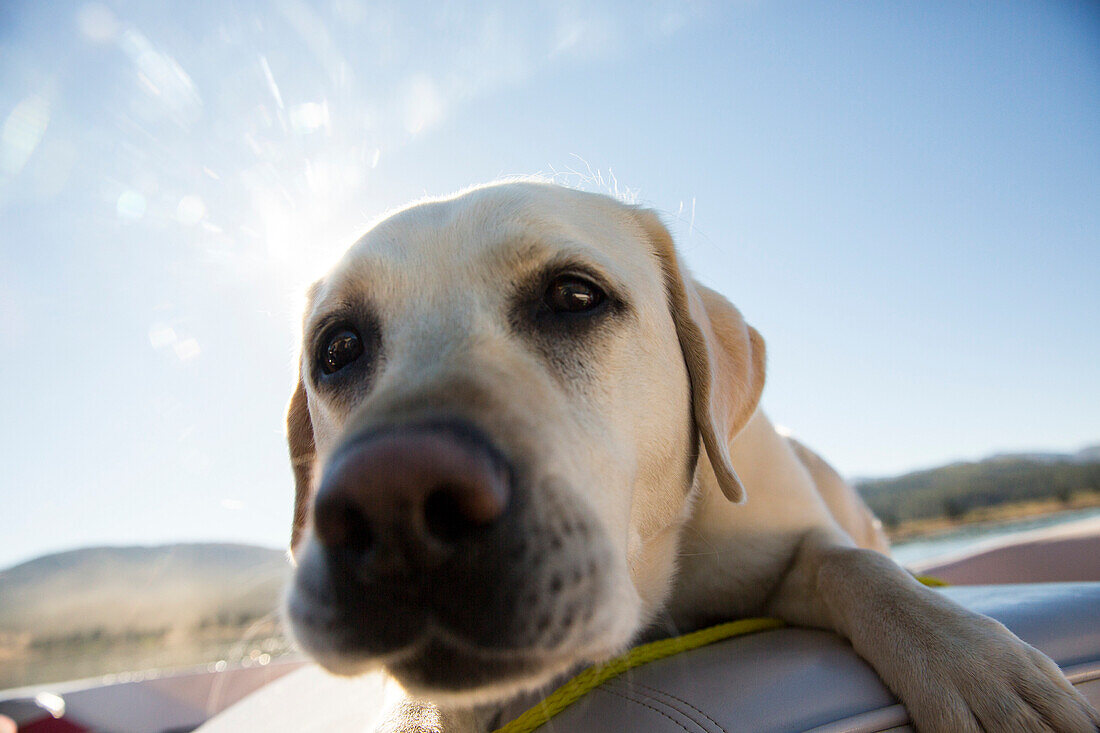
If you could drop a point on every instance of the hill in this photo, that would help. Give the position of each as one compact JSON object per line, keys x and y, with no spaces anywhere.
{"x":960,"y":489}
{"x":171,"y":586}
{"x":111,"y":609}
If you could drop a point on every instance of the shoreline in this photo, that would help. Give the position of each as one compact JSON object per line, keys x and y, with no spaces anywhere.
{"x":930,"y":528}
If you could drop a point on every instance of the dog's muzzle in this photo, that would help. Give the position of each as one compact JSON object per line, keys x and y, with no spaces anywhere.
{"x":415,"y":527}
{"x":431,"y":554}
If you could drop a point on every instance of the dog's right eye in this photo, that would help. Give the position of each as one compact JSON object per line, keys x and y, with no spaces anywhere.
{"x":341,"y":348}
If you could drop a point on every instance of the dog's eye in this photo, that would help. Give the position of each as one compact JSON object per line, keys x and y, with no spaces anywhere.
{"x":342,"y":348}
{"x":572,"y":294}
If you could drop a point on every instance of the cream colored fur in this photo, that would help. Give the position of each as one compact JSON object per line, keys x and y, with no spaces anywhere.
{"x":758,"y":525}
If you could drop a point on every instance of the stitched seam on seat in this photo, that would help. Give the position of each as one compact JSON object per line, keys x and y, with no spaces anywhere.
{"x":683,"y":701}
{"x":656,"y":710}
{"x":629,"y":687}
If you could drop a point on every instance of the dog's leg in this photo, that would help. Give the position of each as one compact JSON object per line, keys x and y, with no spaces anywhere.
{"x":954,"y":670}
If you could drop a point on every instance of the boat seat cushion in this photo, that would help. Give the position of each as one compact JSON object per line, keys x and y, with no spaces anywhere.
{"x":789,"y":679}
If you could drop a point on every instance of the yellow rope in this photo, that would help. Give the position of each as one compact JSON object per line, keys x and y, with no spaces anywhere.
{"x":593,"y":677}
{"x":931,"y":581}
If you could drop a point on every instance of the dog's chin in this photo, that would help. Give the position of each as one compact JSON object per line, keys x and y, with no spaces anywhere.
{"x":442,"y":660}
{"x":446,"y":673}
{"x":454,"y":673}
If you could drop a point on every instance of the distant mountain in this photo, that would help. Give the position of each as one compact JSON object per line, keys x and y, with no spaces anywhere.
{"x":1088,"y":454}
{"x":136,"y":589}
{"x":957,"y":489}
{"x":107,"y":610}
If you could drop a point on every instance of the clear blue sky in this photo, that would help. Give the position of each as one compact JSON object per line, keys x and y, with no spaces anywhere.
{"x":903,"y":197}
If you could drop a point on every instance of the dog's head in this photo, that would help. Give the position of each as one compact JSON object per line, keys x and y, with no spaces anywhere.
{"x":495,"y":436}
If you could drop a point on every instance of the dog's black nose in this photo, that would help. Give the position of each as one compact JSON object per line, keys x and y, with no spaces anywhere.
{"x":408,"y":496}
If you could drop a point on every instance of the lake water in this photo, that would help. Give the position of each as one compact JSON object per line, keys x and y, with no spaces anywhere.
{"x":966,"y":538}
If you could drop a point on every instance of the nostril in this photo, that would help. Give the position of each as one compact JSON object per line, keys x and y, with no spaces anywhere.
{"x":408,"y":496}
{"x":339,"y":523}
{"x":443,"y":516}
{"x":453,"y":510}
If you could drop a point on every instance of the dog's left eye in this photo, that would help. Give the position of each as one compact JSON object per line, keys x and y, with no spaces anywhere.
{"x":572,"y":294}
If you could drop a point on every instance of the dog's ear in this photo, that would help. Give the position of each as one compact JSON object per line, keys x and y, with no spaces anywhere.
{"x":299,"y":437}
{"x":724,"y":357}
{"x":300,"y":440}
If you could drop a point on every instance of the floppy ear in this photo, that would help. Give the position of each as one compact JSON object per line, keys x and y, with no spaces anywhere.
{"x":724,"y":357}
{"x":299,"y":436}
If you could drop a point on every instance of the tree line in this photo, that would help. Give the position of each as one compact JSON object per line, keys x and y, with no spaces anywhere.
{"x":956,"y":490}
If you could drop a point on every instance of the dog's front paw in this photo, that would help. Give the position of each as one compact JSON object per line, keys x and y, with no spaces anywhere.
{"x":970,"y":673}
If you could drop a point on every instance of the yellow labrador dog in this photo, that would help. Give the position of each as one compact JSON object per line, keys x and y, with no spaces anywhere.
{"x":522,"y":431}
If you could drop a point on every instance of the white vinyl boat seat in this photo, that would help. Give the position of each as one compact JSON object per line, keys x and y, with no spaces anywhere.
{"x":790,"y":679}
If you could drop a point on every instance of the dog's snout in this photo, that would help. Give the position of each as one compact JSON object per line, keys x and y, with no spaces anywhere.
{"x":409,"y":495}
